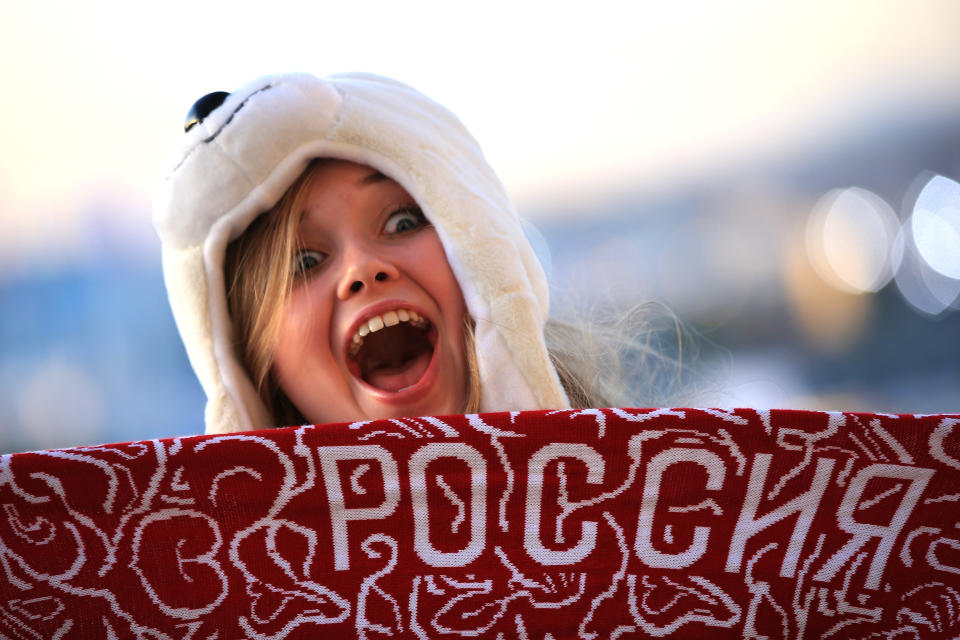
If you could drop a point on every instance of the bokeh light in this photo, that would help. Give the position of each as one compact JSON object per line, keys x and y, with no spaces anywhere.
{"x":936,"y":225}
{"x":829,"y":318}
{"x":923,"y":288}
{"x":848,"y":238}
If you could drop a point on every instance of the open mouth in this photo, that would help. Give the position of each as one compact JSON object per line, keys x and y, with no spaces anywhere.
{"x":392,"y":351}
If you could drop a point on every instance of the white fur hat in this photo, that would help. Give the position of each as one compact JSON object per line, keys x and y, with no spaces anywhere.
{"x":240,"y":159}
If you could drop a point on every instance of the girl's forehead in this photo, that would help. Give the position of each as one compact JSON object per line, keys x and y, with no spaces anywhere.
{"x":338,"y":190}
{"x":332,"y":172}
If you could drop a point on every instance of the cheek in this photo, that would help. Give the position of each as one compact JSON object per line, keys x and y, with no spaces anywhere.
{"x":452,"y":305}
{"x":292,"y":327}
{"x":442,"y":286}
{"x":442,"y":281}
{"x":302,"y":328}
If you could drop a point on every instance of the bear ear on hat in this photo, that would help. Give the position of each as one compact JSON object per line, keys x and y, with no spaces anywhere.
{"x":204,"y":107}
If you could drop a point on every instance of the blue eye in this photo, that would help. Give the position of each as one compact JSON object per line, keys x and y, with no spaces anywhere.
{"x":307,"y":259}
{"x":404,"y":220}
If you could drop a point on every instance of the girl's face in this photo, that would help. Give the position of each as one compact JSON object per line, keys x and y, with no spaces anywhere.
{"x":374,"y":327}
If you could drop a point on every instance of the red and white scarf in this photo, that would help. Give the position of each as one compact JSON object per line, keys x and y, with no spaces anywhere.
{"x":613,"y":523}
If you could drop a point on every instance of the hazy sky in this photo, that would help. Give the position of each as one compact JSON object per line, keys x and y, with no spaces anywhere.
{"x":566,"y":98}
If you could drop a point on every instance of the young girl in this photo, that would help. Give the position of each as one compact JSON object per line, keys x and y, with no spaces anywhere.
{"x":338,"y":249}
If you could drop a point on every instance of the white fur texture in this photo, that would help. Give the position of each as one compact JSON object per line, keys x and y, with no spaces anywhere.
{"x":240,"y":160}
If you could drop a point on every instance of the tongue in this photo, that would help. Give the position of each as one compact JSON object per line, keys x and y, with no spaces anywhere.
{"x":398,"y":378}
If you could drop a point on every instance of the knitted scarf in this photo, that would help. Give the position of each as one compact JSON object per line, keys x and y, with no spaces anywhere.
{"x":612,"y":523}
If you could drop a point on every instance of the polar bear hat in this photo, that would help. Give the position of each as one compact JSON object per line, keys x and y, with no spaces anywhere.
{"x":237,"y":161}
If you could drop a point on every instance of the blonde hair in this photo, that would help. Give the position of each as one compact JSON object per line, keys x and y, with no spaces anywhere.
{"x":588,"y":357}
{"x":259,"y":280}
{"x":632,"y":358}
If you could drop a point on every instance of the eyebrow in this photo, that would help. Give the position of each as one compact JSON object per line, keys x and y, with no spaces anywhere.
{"x":373,"y":178}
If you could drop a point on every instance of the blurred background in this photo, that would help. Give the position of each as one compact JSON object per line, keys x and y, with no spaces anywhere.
{"x":783,"y":177}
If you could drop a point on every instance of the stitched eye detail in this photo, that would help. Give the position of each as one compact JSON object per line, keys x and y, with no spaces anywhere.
{"x":204,"y":107}
{"x":404,"y":220}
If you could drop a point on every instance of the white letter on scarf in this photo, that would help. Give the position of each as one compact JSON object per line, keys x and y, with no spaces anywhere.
{"x":805,"y":505}
{"x":421,"y":513}
{"x":588,"y":529}
{"x":651,"y":493}
{"x":862,"y":532}
{"x":339,"y":513}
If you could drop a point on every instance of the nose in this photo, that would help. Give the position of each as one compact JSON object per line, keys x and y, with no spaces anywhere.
{"x":362,"y":270}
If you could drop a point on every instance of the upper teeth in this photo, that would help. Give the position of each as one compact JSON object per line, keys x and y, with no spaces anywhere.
{"x":388,"y":319}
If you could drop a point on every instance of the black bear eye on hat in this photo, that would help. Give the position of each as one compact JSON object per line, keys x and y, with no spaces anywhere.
{"x":202,"y":108}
